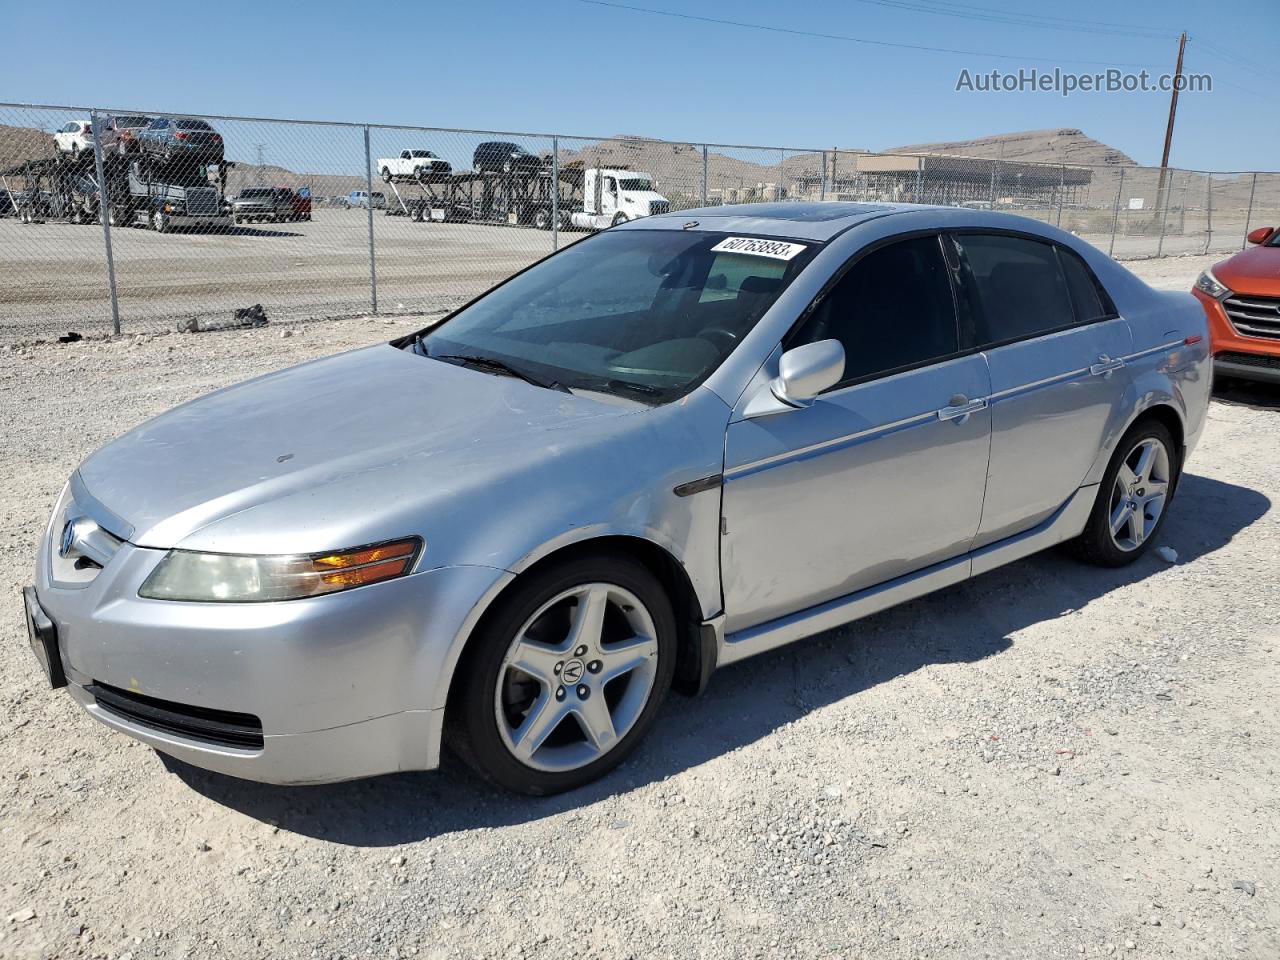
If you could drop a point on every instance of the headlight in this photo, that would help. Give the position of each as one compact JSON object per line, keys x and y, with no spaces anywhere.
{"x":1208,"y":283}
{"x":227,"y":578}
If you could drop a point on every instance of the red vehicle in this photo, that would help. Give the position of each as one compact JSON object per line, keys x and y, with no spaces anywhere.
{"x":1241,"y":295}
{"x":302,"y":203}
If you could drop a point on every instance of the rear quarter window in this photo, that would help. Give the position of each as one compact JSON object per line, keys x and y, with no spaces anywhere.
{"x":1089,"y":299}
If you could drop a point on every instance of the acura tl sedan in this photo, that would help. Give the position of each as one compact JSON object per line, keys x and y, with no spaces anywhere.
{"x":670,"y":446}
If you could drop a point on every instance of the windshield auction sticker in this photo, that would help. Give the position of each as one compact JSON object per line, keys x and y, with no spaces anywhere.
{"x":777,"y":249}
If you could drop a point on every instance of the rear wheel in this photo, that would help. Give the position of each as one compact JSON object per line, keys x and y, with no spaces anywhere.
{"x":542,"y":219}
{"x":386,"y":174}
{"x":1133,"y":497}
{"x":565,"y":676}
{"x":160,"y":222}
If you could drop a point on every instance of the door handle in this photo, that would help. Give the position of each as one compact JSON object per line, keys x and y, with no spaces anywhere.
{"x":961,"y":409}
{"x":1105,"y":366}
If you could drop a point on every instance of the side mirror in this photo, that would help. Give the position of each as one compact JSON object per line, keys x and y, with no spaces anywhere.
{"x":1260,"y":235}
{"x":803,"y":373}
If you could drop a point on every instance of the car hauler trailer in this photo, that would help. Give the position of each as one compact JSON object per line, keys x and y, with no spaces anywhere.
{"x":63,"y":187}
{"x":584,"y":198}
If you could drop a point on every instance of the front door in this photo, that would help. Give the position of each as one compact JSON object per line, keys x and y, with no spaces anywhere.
{"x":884,"y":473}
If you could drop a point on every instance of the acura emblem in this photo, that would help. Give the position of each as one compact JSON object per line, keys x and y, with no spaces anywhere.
{"x":572,"y":672}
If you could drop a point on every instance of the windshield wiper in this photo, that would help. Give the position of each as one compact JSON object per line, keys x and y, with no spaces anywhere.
{"x":614,"y":385}
{"x":501,"y":366}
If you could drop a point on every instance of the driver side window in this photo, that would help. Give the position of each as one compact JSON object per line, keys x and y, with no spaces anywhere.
{"x":892,"y":310}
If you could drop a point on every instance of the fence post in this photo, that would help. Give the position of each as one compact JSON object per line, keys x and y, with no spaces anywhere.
{"x":1164,"y":217}
{"x":1208,"y":213}
{"x":1062,"y":187}
{"x":1115,"y":214}
{"x":919,"y":180}
{"x":822,"y":184}
{"x":704,"y":174}
{"x":991,"y":204}
{"x":555,"y":193}
{"x":104,"y":214}
{"x":368,"y":190}
{"x":1244,"y":241}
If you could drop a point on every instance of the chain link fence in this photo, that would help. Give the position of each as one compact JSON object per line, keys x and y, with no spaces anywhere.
{"x":137,"y":221}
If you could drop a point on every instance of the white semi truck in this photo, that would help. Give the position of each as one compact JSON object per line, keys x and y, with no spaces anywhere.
{"x":611,"y":196}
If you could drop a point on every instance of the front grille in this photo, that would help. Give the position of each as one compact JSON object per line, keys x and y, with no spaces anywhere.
{"x":1250,"y":360}
{"x":203,"y":201}
{"x":221,"y":727}
{"x":658,"y":206}
{"x":1254,"y":316}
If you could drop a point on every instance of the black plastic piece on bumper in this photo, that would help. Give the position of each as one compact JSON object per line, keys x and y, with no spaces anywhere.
{"x":221,"y":727}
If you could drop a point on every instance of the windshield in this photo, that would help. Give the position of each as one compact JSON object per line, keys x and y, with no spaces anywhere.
{"x":193,"y":125}
{"x":636,"y":183}
{"x":647,"y":314}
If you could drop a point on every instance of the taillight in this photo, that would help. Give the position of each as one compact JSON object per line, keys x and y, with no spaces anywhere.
{"x":182,"y":136}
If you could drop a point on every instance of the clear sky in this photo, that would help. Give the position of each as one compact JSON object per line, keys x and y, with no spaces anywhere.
{"x":575,"y":67}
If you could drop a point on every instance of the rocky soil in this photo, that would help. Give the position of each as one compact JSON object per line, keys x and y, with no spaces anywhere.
{"x":1050,"y":761}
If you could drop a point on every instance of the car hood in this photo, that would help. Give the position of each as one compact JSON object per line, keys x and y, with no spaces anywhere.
{"x":1254,"y":271}
{"x":336,"y":435}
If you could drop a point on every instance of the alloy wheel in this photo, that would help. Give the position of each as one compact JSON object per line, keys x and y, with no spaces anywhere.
{"x":1140,"y":493}
{"x":576,"y":677}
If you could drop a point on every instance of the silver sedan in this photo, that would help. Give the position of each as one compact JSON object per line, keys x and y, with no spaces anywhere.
{"x":668,"y":447}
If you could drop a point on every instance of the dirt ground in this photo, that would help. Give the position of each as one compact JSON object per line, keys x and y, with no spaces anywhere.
{"x":1049,"y":761}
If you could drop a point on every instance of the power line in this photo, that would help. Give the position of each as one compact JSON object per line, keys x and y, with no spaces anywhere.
{"x":1047,"y":17}
{"x":992,"y":15}
{"x":849,"y":39}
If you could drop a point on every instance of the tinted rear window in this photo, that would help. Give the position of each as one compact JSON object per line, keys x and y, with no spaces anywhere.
{"x":193,"y":125}
{"x":1016,"y":286}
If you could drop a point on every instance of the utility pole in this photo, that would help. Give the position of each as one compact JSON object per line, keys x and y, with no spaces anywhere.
{"x":1173,"y":110}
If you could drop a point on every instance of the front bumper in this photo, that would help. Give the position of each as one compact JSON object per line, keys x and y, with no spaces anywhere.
{"x":347,"y":685}
{"x":1247,"y":366}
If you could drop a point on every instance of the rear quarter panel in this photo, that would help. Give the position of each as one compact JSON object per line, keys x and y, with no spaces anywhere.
{"x":1164,"y":368}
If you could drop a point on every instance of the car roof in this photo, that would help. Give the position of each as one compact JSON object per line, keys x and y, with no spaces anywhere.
{"x":826,"y":220}
{"x":806,"y":221}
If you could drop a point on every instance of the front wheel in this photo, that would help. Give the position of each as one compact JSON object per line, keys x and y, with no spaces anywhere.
{"x":619,"y":218}
{"x":386,"y":174}
{"x":1133,"y":498}
{"x":565,"y":675}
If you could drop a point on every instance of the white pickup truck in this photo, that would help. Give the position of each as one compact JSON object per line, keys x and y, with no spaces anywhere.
{"x":416,"y":165}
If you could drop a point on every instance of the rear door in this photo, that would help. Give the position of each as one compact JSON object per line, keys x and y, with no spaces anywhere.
{"x":883,"y":474}
{"x":1055,"y":349}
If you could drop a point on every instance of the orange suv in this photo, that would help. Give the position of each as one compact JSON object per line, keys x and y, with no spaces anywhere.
{"x":1241,"y":295}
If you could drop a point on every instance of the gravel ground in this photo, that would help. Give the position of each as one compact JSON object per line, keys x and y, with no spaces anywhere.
{"x":1049,"y":761}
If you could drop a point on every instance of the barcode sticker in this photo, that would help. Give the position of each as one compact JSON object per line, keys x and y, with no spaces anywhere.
{"x":776,"y":249}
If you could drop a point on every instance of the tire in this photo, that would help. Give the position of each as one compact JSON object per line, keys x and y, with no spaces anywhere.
{"x":1116,"y":533}
{"x":542,"y":219}
{"x":493,"y":700}
{"x":386,"y":174}
{"x":159,"y":222}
